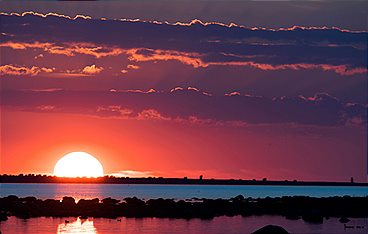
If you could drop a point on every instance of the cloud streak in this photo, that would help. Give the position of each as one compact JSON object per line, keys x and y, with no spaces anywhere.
{"x":45,"y":15}
{"x":14,"y":70}
{"x":67,"y":49}
{"x":133,"y":173}
{"x":178,"y":23}
{"x":193,"y":106}
{"x":196,"y":60}
{"x":197,"y":44}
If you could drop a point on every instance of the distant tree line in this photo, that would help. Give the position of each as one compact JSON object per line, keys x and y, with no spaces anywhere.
{"x":108,"y":179}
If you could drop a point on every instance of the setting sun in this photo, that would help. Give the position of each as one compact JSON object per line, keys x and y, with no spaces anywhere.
{"x":78,"y":164}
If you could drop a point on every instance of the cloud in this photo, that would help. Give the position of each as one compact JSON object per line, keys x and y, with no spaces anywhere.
{"x":193,"y":22}
{"x":133,"y":91}
{"x":14,"y":70}
{"x":132,"y":173}
{"x":114,"y":111}
{"x":151,"y":114}
{"x":38,"y":56}
{"x":189,"y":90}
{"x":44,"y":90}
{"x":45,"y":108}
{"x":223,"y":59}
{"x":234,"y":25}
{"x":94,"y":50}
{"x":25,"y":45}
{"x":339,"y":69}
{"x":92,"y":70}
{"x":197,"y":44}
{"x":134,"y":67}
{"x":144,"y":55}
{"x":67,"y":48}
{"x":235,"y":93}
{"x":189,"y":106}
{"x":130,"y":67}
{"x":196,"y":61}
{"x":176,"y":89}
{"x":45,"y":15}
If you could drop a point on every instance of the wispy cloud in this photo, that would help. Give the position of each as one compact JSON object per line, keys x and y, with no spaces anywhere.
{"x":144,"y":55}
{"x":15,"y":70}
{"x":134,"y":174}
{"x":45,"y":15}
{"x":196,"y":60}
{"x":179,"y":23}
{"x":67,"y":48}
{"x":189,"y":106}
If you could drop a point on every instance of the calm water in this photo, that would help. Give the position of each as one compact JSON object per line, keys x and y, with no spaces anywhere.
{"x":222,"y":224}
{"x":229,"y":225}
{"x":118,"y":191}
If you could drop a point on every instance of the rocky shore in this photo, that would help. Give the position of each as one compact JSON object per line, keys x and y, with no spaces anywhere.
{"x":313,"y":210}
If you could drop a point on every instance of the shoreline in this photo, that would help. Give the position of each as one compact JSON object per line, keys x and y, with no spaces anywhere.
{"x":173,"y":181}
{"x":310,"y":209}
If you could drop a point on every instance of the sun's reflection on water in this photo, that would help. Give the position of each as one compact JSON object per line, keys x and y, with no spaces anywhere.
{"x":78,"y":226}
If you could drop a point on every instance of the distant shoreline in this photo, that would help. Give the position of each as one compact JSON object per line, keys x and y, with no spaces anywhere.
{"x":160,"y":180}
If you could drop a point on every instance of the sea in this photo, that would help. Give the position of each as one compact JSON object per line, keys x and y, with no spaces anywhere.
{"x":148,"y":191}
{"x":218,"y":225}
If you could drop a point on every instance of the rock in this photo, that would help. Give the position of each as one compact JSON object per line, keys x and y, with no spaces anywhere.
{"x":271,"y":229}
{"x":292,"y":216}
{"x":344,"y":220}
{"x":110,"y":201}
{"x":237,"y":198}
{"x":68,"y":201}
{"x":290,"y":207}
{"x":313,"y":218}
{"x":3,"y":216}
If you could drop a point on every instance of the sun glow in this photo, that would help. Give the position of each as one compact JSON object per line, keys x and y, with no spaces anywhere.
{"x":78,"y":164}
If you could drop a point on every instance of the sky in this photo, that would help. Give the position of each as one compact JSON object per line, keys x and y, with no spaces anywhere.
{"x":223,"y":89}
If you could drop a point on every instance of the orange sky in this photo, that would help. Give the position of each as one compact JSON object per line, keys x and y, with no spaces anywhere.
{"x":33,"y":142}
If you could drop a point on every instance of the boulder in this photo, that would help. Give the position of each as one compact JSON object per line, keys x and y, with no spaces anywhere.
{"x":344,"y":220}
{"x":3,"y":216}
{"x":271,"y":229}
{"x":313,"y":217}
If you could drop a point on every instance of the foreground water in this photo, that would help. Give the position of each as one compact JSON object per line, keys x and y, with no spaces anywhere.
{"x":87,"y":191}
{"x":221,"y":225}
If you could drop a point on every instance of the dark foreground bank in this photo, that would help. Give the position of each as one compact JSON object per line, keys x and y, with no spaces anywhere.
{"x":309,"y":209}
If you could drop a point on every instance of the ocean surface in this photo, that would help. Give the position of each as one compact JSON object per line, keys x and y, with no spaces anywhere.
{"x":119,"y":191}
{"x":223,"y":224}
{"x":219,"y":225}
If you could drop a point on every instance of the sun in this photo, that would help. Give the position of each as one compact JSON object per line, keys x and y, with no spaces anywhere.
{"x":78,"y":164}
